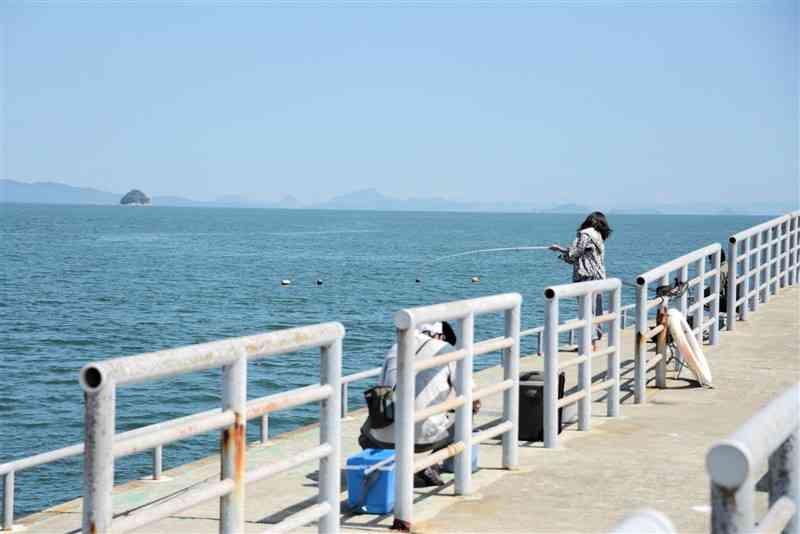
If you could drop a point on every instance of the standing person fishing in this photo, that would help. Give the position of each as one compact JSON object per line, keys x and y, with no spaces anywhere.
{"x":587,"y":256}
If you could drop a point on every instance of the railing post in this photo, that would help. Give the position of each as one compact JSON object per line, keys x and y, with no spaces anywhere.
{"x":713,"y":335}
{"x":585,"y":368}
{"x":794,"y":264}
{"x":640,"y":357}
{"x":344,"y":400}
{"x":264,"y":429}
{"x":684,"y":301}
{"x":790,"y":239}
{"x":539,"y":343}
{"x":404,"y":429}
{"x":550,"y":405}
{"x":330,"y":434}
{"x":783,"y":248}
{"x":768,"y":265}
{"x":8,"y":501}
{"x":732,"y":509}
{"x":234,"y":446}
{"x":158,"y":460}
{"x":747,"y":305}
{"x":756,"y":270}
{"x":776,"y":258}
{"x":614,"y":340}
{"x":511,"y":396}
{"x":796,"y":251}
{"x":699,"y":314}
{"x":784,"y":477}
{"x":98,"y":464}
{"x":463,"y":461}
{"x":733,"y":263}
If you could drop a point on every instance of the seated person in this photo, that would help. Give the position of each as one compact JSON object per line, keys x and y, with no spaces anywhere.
{"x":432,"y":386}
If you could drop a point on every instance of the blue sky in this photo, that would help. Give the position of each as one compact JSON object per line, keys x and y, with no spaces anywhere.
{"x":593,"y":102}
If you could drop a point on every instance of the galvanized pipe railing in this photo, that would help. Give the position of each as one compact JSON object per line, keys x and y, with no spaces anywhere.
{"x":771,"y":437}
{"x":661,"y":276}
{"x":9,"y":469}
{"x":761,"y":260}
{"x":585,"y":292}
{"x":464,"y":312}
{"x":101,"y":379}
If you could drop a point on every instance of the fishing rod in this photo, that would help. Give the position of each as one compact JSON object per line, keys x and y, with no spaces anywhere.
{"x":677,"y":288}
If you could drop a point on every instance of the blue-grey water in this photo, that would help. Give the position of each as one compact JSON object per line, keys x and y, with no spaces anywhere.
{"x":87,"y":283}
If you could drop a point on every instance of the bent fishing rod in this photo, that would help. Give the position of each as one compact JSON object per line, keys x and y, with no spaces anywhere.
{"x":676,"y":289}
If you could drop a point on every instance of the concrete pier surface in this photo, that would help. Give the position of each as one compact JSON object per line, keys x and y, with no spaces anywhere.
{"x":652,"y":456}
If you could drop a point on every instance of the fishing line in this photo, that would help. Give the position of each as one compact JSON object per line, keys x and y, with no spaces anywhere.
{"x":479,"y":251}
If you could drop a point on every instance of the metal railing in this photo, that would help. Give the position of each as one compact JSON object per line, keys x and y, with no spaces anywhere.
{"x":101,"y":379}
{"x":644,"y":304}
{"x":464,"y":312}
{"x":761,"y":260}
{"x":530,"y":332}
{"x":8,"y":470}
{"x":586,"y":322}
{"x":770,"y":437}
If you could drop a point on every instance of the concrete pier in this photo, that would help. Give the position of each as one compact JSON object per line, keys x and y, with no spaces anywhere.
{"x":652,"y":456}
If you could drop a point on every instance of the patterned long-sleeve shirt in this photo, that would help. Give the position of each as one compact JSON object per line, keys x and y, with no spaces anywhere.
{"x":587,"y":256}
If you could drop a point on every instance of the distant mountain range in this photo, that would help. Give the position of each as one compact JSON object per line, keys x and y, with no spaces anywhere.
{"x":12,"y":191}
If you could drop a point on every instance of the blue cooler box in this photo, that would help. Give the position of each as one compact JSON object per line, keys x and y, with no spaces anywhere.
{"x":373,"y":493}
{"x":449,"y":465}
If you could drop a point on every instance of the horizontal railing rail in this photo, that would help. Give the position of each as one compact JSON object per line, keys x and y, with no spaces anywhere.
{"x":761,"y":260}
{"x":464,"y":312}
{"x":644,"y":304}
{"x":586,"y":322}
{"x":101,"y":379}
{"x":771,"y":437}
{"x":8,"y":470}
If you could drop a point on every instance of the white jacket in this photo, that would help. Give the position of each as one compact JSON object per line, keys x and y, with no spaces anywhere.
{"x":432,"y":386}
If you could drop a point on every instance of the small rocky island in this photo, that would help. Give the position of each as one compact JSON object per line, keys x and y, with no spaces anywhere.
{"x":134,"y":197}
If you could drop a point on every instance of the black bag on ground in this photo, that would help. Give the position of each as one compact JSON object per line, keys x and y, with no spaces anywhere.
{"x":380,"y":404}
{"x":531,"y":405}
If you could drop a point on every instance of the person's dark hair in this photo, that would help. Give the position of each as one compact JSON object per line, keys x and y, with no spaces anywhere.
{"x":449,"y":333}
{"x":598,"y":221}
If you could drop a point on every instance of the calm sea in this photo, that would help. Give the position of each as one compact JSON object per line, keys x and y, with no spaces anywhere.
{"x":87,"y":283}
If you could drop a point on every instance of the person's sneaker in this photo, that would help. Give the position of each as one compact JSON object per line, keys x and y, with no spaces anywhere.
{"x":427,"y":478}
